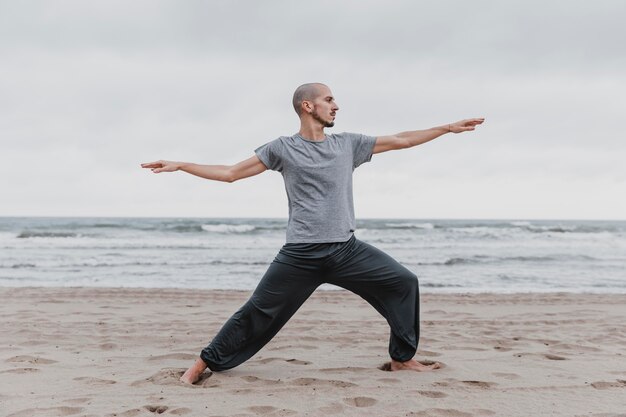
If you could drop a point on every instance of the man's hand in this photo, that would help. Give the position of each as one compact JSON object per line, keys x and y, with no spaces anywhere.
{"x":162,"y":166}
{"x":465,"y":125}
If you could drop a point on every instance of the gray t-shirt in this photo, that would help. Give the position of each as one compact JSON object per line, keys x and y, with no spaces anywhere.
{"x":318,"y":181}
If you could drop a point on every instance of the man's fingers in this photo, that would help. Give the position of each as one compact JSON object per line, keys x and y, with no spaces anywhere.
{"x":465,"y":129}
{"x":152,"y":165}
{"x":467,"y":124}
{"x":472,"y":122}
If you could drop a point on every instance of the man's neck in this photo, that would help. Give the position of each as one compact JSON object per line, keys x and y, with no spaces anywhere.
{"x":312,"y":132}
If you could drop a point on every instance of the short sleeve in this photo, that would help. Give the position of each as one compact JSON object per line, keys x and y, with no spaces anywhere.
{"x":271,"y":155}
{"x":362,"y":148}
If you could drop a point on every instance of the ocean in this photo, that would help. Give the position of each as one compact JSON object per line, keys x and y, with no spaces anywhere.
{"x":500,"y":256}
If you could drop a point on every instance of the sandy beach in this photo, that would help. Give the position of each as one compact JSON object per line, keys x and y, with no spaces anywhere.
{"x":119,"y":352}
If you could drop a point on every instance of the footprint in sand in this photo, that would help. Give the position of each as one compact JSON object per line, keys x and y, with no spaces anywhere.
{"x":108,"y":346}
{"x":323,"y":382}
{"x":307,"y":347}
{"x":262,"y":409}
{"x":331,"y":409}
{"x":31,"y":359}
{"x":620,"y":383}
{"x":433,"y":394}
{"x":47,"y":412}
{"x":269,"y":410}
{"x":255,"y":379}
{"x":554,"y":357}
{"x":128,"y":413}
{"x":180,"y":411}
{"x":387,"y":365}
{"x":180,"y":356}
{"x":171,"y":376}
{"x":19,"y":371}
{"x":549,"y":356}
{"x":484,"y":412}
{"x":440,"y":412}
{"x":154,"y":398}
{"x":502,"y":348}
{"x":506,"y":375}
{"x":156,"y":409}
{"x":345,"y":370}
{"x":80,"y":400}
{"x":469,"y":348}
{"x":435,"y":312}
{"x":478,"y":384}
{"x":389,"y":380}
{"x":601,"y":415}
{"x":291,"y":361}
{"x":241,"y":391}
{"x":360,"y":401}
{"x":94,"y":381}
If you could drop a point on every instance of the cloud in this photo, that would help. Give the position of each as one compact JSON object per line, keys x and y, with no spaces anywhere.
{"x":484,"y":35}
{"x":88,"y":90}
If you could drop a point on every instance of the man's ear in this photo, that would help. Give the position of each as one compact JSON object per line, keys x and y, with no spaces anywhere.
{"x":307,"y":106}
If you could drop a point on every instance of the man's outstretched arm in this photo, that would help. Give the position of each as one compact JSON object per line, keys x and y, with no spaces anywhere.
{"x":227,"y":173}
{"x":417,"y":137}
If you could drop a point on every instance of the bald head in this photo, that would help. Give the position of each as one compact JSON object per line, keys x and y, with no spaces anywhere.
{"x":306,"y":92}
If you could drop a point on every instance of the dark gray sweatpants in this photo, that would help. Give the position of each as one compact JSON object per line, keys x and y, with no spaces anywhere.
{"x":297,"y":270}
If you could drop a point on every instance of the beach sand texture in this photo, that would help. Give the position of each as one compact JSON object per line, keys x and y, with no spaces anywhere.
{"x":119,"y":352}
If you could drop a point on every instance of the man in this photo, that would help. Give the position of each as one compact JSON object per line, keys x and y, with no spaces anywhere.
{"x":320,"y":246}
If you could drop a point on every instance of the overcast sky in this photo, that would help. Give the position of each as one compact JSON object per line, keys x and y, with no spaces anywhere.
{"x":91,"y":89}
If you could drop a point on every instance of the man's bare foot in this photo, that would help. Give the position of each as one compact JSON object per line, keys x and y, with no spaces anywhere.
{"x":413,"y":365}
{"x":192,"y":374}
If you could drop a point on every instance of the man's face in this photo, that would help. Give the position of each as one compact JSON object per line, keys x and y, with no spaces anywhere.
{"x":324,"y":107}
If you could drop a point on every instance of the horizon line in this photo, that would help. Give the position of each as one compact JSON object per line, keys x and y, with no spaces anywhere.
{"x":286,"y":218}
